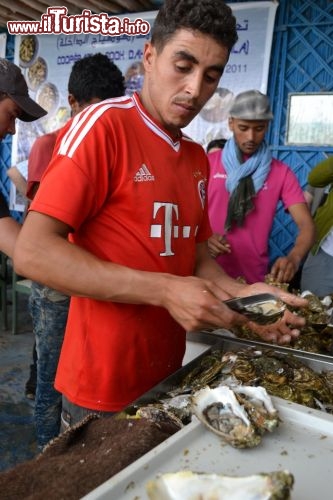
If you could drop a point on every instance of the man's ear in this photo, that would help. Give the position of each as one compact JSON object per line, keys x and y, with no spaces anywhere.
{"x":73,"y":104}
{"x":148,"y":56}
{"x":231,"y":123}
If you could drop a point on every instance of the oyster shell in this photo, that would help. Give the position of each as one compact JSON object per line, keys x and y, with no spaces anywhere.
{"x":317,"y":313}
{"x":203,"y":374}
{"x":159,"y":415}
{"x":219,"y":410}
{"x":314,"y":303}
{"x":259,"y":407}
{"x":188,"y":485}
{"x":263,"y":308}
{"x":179,"y":406}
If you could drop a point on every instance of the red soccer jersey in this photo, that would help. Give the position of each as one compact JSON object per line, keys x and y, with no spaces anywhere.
{"x":134,"y":196}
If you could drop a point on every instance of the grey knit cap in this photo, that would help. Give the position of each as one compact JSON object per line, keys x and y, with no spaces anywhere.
{"x":251,"y":105}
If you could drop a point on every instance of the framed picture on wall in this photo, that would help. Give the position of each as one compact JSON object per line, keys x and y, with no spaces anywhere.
{"x":309,"y":119}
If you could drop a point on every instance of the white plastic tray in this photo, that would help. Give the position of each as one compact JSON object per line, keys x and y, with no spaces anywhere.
{"x":302,"y":444}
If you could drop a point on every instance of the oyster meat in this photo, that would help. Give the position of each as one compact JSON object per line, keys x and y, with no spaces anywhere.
{"x":188,"y":485}
{"x":240,"y":415}
{"x":259,"y":407}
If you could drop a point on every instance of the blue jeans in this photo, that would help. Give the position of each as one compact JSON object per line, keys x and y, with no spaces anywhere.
{"x":72,"y":414}
{"x":49,"y":310}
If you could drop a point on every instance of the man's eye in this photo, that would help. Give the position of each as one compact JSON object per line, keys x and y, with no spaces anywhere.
{"x":182,"y":69}
{"x":212,"y":78}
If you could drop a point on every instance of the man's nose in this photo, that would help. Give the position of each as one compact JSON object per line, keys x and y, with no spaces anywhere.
{"x":250,"y":134}
{"x":194,"y":84}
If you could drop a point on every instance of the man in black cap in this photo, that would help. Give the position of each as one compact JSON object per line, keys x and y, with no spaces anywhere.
{"x":14,"y":103}
{"x":15,"y":99}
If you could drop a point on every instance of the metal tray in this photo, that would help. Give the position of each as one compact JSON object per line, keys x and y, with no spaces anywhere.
{"x":302,"y":444}
{"x":209,"y":335}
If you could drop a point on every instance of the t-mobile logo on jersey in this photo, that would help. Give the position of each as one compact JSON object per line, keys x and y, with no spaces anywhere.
{"x":168,"y":230}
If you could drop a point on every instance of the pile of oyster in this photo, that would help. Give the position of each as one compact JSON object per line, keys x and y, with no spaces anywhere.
{"x":281,"y":375}
{"x":188,"y":485}
{"x":230,"y":393}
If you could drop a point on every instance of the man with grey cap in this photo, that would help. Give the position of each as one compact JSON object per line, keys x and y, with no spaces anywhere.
{"x":14,"y":103}
{"x":245,"y":185}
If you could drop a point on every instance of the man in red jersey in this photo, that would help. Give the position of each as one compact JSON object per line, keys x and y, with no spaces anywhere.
{"x":130,"y":191}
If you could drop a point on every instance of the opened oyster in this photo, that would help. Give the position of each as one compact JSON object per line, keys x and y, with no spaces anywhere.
{"x":240,"y":419}
{"x":263,"y":308}
{"x":188,"y":485}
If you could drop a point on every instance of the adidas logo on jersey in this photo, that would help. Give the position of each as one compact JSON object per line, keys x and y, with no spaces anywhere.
{"x":143,"y":174}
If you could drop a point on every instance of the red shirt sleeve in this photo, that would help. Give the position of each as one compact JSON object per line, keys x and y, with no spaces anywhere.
{"x":39,"y":158}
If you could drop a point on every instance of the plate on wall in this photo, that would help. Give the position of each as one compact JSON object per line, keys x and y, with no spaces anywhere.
{"x":28,"y":50}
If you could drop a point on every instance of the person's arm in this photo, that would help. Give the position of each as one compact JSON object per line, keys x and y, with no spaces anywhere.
{"x":9,"y":228}
{"x":9,"y":231}
{"x":308,"y":195}
{"x":284,"y":268}
{"x":18,"y":180}
{"x":44,"y":254}
{"x":39,"y":157}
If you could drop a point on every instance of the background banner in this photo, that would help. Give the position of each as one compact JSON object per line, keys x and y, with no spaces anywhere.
{"x":46,"y":62}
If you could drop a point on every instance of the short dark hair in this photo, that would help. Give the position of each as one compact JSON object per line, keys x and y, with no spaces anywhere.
{"x":216,"y":143}
{"x":95,"y":76}
{"x":212,"y":17}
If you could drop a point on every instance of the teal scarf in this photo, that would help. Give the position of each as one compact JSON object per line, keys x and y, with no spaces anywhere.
{"x":244,"y":179}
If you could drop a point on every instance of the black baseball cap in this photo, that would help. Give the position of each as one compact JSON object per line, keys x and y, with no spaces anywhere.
{"x":12,"y":82}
